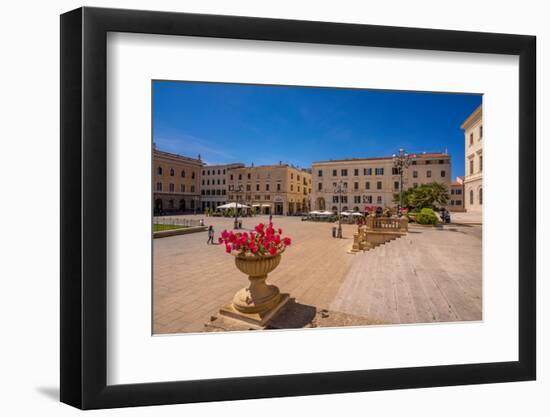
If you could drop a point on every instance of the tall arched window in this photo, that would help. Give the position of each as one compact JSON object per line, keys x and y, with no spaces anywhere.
{"x":480,"y":196}
{"x":159,"y":170}
{"x":183,"y":173}
{"x":471,"y":197}
{"x":171,"y":172}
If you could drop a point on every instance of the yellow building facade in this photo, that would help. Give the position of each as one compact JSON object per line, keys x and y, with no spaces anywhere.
{"x":271,"y":189}
{"x":176,"y":183}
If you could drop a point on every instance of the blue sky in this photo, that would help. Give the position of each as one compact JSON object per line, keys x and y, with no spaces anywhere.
{"x":298,"y":125}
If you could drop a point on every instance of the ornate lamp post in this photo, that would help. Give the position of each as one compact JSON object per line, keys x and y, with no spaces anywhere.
{"x":237,"y":189}
{"x":339,"y":190}
{"x":401,"y":161}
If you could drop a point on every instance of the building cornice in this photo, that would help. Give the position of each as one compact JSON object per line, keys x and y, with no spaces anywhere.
{"x":472,"y":118}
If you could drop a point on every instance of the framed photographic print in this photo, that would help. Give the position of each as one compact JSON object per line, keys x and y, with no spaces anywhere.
{"x":257,"y":207}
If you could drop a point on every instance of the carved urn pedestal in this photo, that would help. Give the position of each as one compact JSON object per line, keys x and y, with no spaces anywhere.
{"x":259,"y":302}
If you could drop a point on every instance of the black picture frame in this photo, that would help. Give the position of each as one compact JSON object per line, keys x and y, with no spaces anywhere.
{"x":84,"y":207}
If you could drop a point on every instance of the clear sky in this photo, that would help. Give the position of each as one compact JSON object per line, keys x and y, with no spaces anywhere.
{"x":298,"y":125}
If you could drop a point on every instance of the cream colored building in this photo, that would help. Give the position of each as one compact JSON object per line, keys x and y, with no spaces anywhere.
{"x":456,"y":197}
{"x":473,"y":178}
{"x":272,"y":189}
{"x":214,"y":184}
{"x":371,"y":182}
{"x":176,"y":183}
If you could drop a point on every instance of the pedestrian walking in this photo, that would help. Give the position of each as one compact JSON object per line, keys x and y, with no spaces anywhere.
{"x":210,"y":235}
{"x":270,"y":217}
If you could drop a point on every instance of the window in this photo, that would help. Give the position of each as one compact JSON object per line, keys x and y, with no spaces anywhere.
{"x":267,"y":187}
{"x":291,"y":187}
{"x":452,"y":202}
{"x":471,"y":166}
{"x":396,"y":185}
{"x":159,"y":170}
{"x":413,"y":163}
{"x":367,"y":185}
{"x":218,"y":172}
{"x":344,"y":199}
{"x":395,"y":171}
{"x":334,"y":173}
{"x":208,"y":172}
{"x":367,"y":199}
{"x":458,"y":202}
{"x":480,"y":132}
{"x":223,"y":191}
{"x":203,"y":172}
{"x":480,"y":196}
{"x":247,"y":187}
{"x":159,"y":186}
{"x":298,"y":188}
{"x":240,"y":177}
{"x":355,"y":185}
{"x":320,"y":186}
{"x":415,"y":174}
{"x":429,"y":174}
{"x":334,"y":198}
{"x":207,"y":182}
{"x":453,"y":191}
{"x":357,"y":199}
{"x":443,"y":173}
{"x":379,"y":171}
{"x":183,"y":173}
{"x":346,"y":185}
{"x":182,"y":188}
{"x":368,"y":171}
{"x":378,"y":185}
{"x":471,"y":197}
{"x":415,"y":184}
{"x":344,"y":173}
{"x":257,"y":187}
{"x":356,"y":172}
{"x":203,"y":182}
{"x":248,"y":175}
{"x":320,"y":173}
{"x":231,"y":177}
{"x":428,"y":162}
{"x":223,"y":181}
{"x":192,"y":188}
{"x":379,"y":199}
{"x":471,"y":139}
{"x":203,"y":192}
{"x":458,"y":191}
{"x":193,"y":175}
{"x":279,"y":187}
{"x":171,"y":188}
{"x":441,"y":162}
{"x":480,"y":163}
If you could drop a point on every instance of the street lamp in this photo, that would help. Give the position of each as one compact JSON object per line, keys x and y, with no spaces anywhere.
{"x":238,"y":189}
{"x":401,"y":161}
{"x":339,"y":190}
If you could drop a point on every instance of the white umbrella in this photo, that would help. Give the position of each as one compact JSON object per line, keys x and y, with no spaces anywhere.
{"x":266,"y":205}
{"x":326,"y":213}
{"x":232,"y":205}
{"x":356,"y":213}
{"x":345,"y":213}
{"x":314,"y":212}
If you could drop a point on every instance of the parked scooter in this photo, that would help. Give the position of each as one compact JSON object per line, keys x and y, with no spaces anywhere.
{"x":445,"y":215}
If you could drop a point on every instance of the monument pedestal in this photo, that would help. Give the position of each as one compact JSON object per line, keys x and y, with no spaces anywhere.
{"x":259,"y":319}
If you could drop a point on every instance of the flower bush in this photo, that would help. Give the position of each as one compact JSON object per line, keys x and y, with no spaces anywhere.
{"x":263,"y":241}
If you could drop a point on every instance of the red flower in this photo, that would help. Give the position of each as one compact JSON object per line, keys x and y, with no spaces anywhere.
{"x":272,"y":251}
{"x":228,"y":248}
{"x":280,"y":231}
{"x":287,"y":241}
{"x":277,"y":239}
{"x":220,"y":240}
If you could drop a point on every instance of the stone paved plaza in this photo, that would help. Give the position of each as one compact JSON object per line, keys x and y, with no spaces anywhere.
{"x":430,"y":275}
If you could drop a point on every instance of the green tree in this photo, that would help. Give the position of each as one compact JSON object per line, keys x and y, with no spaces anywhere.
{"x":432,"y":195}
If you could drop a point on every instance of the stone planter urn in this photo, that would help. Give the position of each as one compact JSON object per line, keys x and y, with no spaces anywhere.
{"x":258,"y":297}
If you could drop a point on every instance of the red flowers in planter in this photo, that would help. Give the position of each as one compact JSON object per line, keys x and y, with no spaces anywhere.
{"x":264,"y":241}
